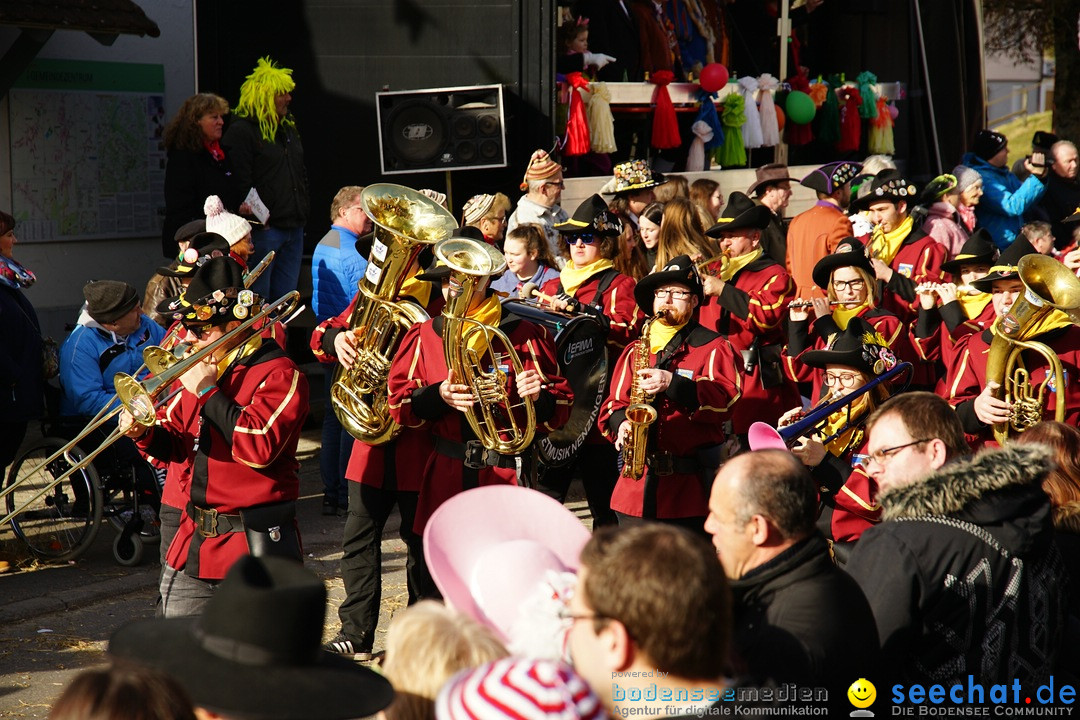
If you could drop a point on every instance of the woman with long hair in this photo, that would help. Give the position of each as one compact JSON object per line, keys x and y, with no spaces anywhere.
{"x":681,"y":233}
{"x":630,"y":256}
{"x":708,"y":199}
{"x":528,"y":260}
{"x":648,"y":229}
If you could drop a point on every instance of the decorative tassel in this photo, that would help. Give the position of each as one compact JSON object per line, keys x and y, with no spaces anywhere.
{"x":751,"y":129}
{"x":695,"y":159}
{"x":818,"y":92}
{"x":665,"y":129}
{"x":707,"y":114}
{"x":828,"y":118}
{"x":577,"y":127}
{"x":866,"y":82}
{"x":797,"y":133}
{"x":850,"y":122}
{"x":601,"y":123}
{"x":770,"y":129}
{"x":880,"y":139}
{"x":732,"y":153}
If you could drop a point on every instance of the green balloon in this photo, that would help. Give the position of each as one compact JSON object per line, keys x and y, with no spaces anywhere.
{"x":800,"y":108}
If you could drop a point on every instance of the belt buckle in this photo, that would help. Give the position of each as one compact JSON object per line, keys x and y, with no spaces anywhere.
{"x":475,"y":454}
{"x":206,"y":522}
{"x":662,"y":463}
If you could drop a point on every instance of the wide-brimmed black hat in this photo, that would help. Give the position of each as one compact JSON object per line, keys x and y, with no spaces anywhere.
{"x":631,"y":176}
{"x":109,"y":300}
{"x":827,"y":178}
{"x":190,"y":229}
{"x":591,"y":217}
{"x":1005,"y":268}
{"x":849,"y":253}
{"x":204,"y":246}
{"x":256,"y":650}
{"x":740,"y":213}
{"x":215,"y":295}
{"x":977,"y":249}
{"x":860,"y":346}
{"x":891,"y":186}
{"x":680,"y":270}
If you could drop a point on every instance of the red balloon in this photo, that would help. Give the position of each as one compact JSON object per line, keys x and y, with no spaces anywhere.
{"x":780,"y":117}
{"x":713,"y":77}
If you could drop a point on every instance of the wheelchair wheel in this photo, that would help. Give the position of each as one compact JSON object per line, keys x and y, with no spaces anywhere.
{"x":126,"y":498}
{"x":62,"y":523}
{"x":128,"y":549}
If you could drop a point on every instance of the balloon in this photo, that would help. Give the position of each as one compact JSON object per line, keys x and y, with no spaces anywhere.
{"x":713,"y":77}
{"x":800,"y":108}
{"x":893,"y":110}
{"x":780,"y":118}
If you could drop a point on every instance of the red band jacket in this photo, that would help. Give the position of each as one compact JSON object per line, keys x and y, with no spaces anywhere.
{"x":616,"y":302}
{"x":806,"y":335}
{"x":917,"y":261}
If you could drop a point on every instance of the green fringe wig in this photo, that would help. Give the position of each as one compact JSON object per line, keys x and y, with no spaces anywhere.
{"x":257,"y":96}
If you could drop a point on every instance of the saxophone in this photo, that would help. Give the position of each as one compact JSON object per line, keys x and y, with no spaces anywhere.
{"x":639,"y":413}
{"x":405,"y":223}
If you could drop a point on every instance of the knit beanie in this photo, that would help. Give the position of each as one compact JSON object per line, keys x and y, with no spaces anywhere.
{"x":541,"y":167}
{"x":477,"y":207}
{"x":218,"y":220}
{"x":518,"y":689}
{"x":989,"y":143}
{"x":965,"y":177}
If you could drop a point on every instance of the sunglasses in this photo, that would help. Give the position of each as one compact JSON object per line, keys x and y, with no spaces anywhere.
{"x":586,"y":238}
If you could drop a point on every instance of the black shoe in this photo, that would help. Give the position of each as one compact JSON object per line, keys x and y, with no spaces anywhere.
{"x":329,"y":507}
{"x":345,"y":647}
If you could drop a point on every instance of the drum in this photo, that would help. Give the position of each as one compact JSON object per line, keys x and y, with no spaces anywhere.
{"x":581,"y":346}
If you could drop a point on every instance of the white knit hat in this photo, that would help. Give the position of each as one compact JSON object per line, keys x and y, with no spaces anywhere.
{"x":218,"y":220}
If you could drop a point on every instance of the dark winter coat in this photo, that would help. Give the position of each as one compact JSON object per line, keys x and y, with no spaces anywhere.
{"x":276,"y":169}
{"x":190,"y":177}
{"x":963,"y":574}
{"x":21,"y":383}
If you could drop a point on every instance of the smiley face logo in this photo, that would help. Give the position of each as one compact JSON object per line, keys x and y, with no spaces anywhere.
{"x":862,"y":693}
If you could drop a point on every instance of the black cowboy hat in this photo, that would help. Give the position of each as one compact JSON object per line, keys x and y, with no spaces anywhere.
{"x":890,"y":185}
{"x":860,"y":346}
{"x":849,"y":253}
{"x":1005,"y":268}
{"x":215,"y":295}
{"x":203,"y":246}
{"x":827,"y":178}
{"x":592,"y":216}
{"x":740,"y":213}
{"x":680,"y":270}
{"x":977,"y":249}
{"x":190,"y":229}
{"x":256,"y":650}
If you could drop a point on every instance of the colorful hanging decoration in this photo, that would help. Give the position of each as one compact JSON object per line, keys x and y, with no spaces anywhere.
{"x":714,"y":76}
{"x":850,"y":122}
{"x":797,"y":129}
{"x":827,"y":122}
{"x":880,"y":139}
{"x":601,"y":122}
{"x":707,"y":114}
{"x":695,"y":158}
{"x":577,"y":126}
{"x":665,"y":129}
{"x":818,"y":91}
{"x":732,"y":153}
{"x":867,"y":81}
{"x":770,"y":126}
{"x":751,"y":129}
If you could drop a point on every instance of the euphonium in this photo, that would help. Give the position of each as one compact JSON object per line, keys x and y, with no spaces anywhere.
{"x":1048,"y":286}
{"x":640,"y":414}
{"x":492,"y":418}
{"x":406,"y":222}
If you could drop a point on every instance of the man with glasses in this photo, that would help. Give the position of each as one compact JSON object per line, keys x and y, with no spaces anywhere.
{"x":543,"y":185}
{"x":691,"y":380}
{"x":962,"y":574}
{"x":336,"y":269}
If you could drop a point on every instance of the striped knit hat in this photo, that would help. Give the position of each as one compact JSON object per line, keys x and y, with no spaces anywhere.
{"x":541,"y":167}
{"x":518,"y":689}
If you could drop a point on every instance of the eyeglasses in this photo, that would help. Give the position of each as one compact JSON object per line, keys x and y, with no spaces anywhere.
{"x":586,"y":238}
{"x":842,"y":285}
{"x":882,"y":456}
{"x":673,"y":294}
{"x":559,"y":184}
{"x":845,"y":380}
{"x":198,"y":332}
{"x":568,"y":614}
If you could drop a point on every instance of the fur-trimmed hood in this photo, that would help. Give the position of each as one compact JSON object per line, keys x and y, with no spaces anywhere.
{"x":957,"y":485}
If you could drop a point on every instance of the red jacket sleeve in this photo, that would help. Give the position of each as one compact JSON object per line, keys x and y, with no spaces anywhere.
{"x":322,"y":338}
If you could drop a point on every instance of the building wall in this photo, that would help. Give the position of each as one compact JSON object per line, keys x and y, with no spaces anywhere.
{"x":63,"y":267}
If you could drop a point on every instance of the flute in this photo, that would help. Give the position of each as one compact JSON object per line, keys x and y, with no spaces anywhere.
{"x":798,"y":304}
{"x":960,"y":289}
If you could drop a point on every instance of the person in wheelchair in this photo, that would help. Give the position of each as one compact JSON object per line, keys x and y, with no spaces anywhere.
{"x":108,"y":338}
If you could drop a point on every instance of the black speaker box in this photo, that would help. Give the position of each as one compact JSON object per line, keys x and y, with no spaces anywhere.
{"x":441,"y":129}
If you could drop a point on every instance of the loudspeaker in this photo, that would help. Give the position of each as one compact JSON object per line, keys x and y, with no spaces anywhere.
{"x":441,"y":129}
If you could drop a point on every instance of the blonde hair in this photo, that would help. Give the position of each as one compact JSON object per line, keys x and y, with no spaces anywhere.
{"x":428,"y":643}
{"x":344,"y":197}
{"x":870,"y":283}
{"x":681,"y":233}
{"x":257,"y":94}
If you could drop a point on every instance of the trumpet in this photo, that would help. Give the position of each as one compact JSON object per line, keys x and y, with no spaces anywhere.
{"x":799,"y":304}
{"x":702,"y":266}
{"x":142,"y":399}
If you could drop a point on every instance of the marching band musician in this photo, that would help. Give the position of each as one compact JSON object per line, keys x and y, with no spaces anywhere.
{"x":849,"y":360}
{"x":852,"y":293}
{"x":818,"y":231}
{"x":746,"y":303}
{"x":423,"y":391}
{"x":694,"y":381}
{"x":970,"y":390}
{"x":237,"y":423}
{"x":379,"y":476}
{"x":588,"y":242}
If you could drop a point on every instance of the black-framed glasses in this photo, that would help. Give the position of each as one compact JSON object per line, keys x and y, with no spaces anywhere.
{"x":673,"y":294}
{"x":842,"y":285}
{"x":586,"y":238}
{"x":844,"y":380}
{"x":559,"y":184}
{"x":882,"y":456}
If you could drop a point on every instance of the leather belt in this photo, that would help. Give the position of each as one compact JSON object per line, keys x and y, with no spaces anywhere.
{"x":210,"y":523}
{"x":473,"y":454}
{"x":664,"y":463}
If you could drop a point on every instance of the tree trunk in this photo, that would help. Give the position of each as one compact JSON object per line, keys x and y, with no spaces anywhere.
{"x":1067,"y":69}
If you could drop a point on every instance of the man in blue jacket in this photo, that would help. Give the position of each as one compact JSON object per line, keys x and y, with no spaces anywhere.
{"x":1005,"y":197}
{"x":336,"y":269}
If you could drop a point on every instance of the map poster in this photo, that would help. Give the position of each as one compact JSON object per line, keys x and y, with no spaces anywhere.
{"x":87,"y":158}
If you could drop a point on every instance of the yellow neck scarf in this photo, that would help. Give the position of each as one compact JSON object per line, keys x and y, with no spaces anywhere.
{"x":843,"y":316}
{"x":660,"y":335}
{"x":239,"y":353}
{"x":973,"y":305}
{"x":489,"y":313}
{"x":1053,"y":320}
{"x":573,"y":277}
{"x":419,"y":290}
{"x":885,"y":245}
{"x":736,"y":264}
{"x":851,"y":437}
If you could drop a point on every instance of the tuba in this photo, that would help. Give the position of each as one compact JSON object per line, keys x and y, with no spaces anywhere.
{"x":493,"y":423}
{"x":639,"y":413}
{"x":1048,"y":286}
{"x":406,"y":222}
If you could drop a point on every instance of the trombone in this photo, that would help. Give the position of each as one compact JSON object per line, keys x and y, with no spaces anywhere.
{"x":141,"y":399}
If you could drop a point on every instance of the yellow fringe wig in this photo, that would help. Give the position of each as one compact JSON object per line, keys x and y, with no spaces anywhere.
{"x":257,"y":96}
